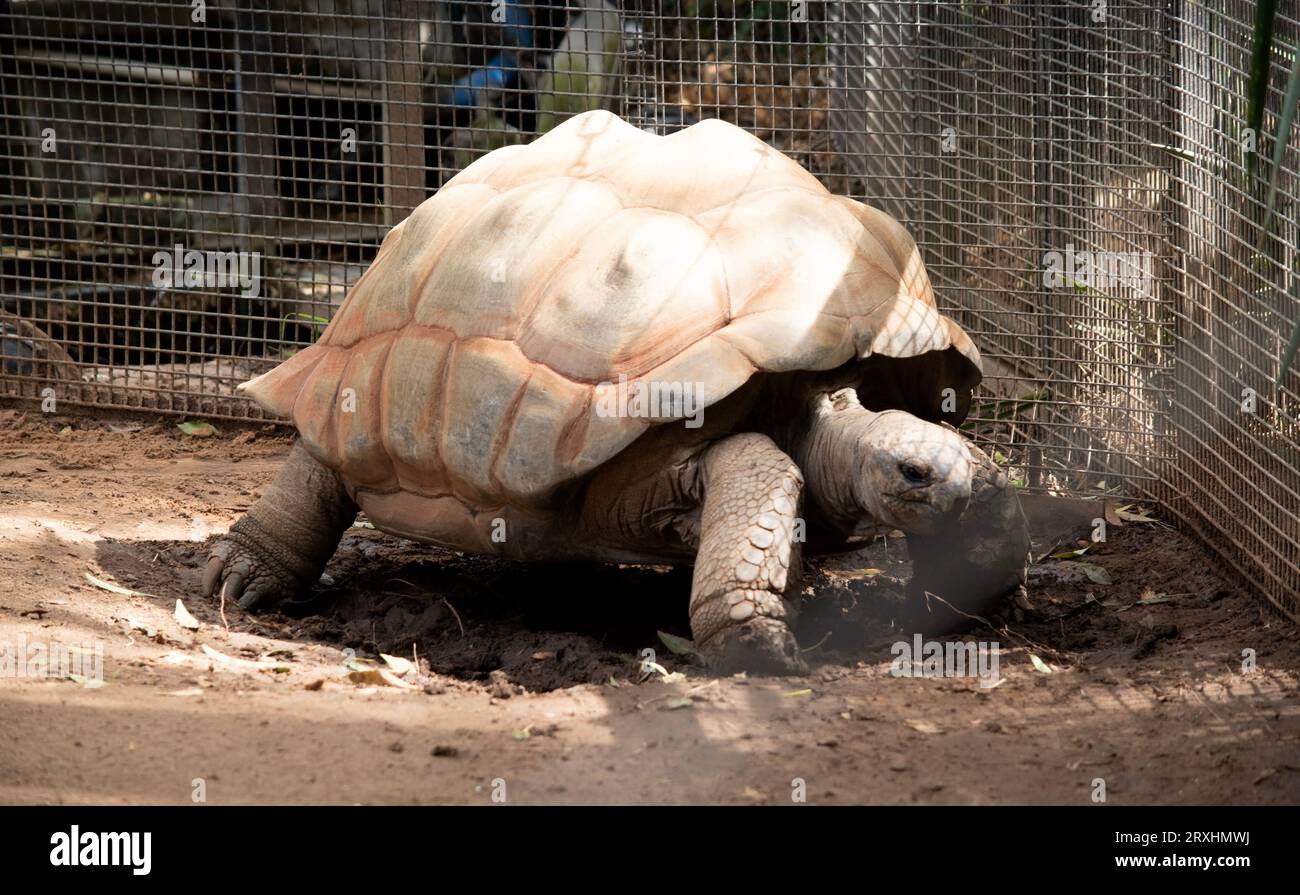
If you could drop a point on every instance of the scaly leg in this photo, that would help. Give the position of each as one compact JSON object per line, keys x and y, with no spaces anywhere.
{"x":285,"y":539}
{"x":748,"y":560}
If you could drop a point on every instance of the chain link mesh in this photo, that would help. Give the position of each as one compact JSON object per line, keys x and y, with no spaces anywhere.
{"x":188,"y":190}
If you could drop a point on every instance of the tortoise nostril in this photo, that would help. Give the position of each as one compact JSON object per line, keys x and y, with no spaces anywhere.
{"x":915,"y":473}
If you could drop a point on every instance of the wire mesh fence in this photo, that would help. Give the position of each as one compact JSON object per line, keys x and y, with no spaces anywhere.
{"x":188,"y":189}
{"x":1234,"y":476}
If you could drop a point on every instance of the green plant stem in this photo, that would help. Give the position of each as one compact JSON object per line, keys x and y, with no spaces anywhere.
{"x":1261,"y":55}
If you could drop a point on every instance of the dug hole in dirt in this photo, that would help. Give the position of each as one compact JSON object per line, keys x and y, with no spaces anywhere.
{"x":1142,"y":671}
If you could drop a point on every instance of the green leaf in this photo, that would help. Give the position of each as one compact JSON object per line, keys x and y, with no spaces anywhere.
{"x":1096,"y":574}
{"x":1040,"y":665}
{"x":678,"y":645}
{"x":1280,"y":141}
{"x":318,"y":323}
{"x":198,"y":430}
{"x":1291,"y":347}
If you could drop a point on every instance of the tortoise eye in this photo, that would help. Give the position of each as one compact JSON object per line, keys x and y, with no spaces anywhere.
{"x":915,"y":474}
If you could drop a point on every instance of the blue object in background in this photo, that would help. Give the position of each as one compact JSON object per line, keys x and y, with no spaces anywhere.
{"x":502,"y":70}
{"x":517,"y":26}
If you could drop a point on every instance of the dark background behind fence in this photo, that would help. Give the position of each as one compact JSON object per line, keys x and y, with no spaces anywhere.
{"x":998,"y":132}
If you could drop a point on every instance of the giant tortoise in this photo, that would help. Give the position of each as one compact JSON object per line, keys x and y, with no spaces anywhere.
{"x":615,"y":346}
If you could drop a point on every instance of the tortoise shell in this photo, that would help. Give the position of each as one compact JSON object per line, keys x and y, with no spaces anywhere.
{"x":474,"y":358}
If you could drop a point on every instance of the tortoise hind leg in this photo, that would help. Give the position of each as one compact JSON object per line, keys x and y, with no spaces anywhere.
{"x":748,"y":560}
{"x":285,"y":539}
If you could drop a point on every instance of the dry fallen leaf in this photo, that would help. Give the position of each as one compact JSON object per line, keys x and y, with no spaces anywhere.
{"x":183,"y":617}
{"x":1134,"y":513}
{"x":381,"y":677}
{"x":233,"y":662}
{"x":399,"y":666}
{"x":1111,"y":515}
{"x":113,"y":588}
{"x":857,"y":573}
{"x":1040,"y":664}
{"x":922,"y":726}
{"x":134,"y":624}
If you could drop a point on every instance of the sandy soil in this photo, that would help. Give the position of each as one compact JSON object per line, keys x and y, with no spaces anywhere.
{"x":528,"y":685}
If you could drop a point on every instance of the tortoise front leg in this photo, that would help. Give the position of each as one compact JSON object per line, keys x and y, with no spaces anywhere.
{"x":748,"y":560}
{"x":287,"y":536}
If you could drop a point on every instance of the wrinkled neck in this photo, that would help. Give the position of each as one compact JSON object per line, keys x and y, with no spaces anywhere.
{"x":832,"y":457}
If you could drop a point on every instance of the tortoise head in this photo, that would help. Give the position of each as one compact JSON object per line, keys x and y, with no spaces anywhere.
{"x":913,"y":475}
{"x":889,"y":469}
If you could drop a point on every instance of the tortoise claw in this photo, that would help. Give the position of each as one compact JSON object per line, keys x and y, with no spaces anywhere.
{"x":239,"y":571}
{"x":211,"y":576}
{"x":759,"y":645}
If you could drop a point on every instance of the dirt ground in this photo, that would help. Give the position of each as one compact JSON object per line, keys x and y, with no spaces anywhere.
{"x":527,"y":686}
